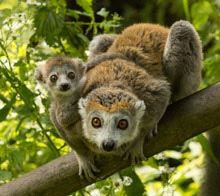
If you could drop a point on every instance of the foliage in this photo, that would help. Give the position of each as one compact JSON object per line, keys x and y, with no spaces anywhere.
{"x":31,"y":31}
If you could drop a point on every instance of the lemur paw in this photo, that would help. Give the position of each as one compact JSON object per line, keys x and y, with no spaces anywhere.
{"x":87,"y":169}
{"x":135,"y":156}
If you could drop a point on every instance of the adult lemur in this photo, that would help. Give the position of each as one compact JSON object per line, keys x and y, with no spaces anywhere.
{"x":129,"y":86}
{"x":130,"y":80}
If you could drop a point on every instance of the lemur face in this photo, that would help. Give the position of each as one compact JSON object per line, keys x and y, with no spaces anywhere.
{"x":111,"y":119}
{"x":62,"y":80}
{"x":61,"y":75}
{"x":109,"y":131}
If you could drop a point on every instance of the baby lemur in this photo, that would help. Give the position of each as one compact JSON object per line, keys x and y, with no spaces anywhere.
{"x":63,"y":77}
{"x":130,"y":80}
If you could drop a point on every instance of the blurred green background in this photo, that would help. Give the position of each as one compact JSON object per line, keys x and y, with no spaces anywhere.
{"x":33,"y":30}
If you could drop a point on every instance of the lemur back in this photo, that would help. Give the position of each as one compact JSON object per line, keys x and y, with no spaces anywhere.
{"x":146,"y":40}
{"x":175,"y":53}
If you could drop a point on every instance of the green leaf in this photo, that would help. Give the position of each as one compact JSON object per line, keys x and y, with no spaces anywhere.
{"x":86,"y":5}
{"x":2,"y":98}
{"x":72,"y":13}
{"x":134,"y":186}
{"x":103,"y":13}
{"x":22,"y":69}
{"x":5,"y":110}
{"x":5,"y":175}
{"x":186,"y":9}
{"x":207,"y":147}
{"x":213,"y":68}
{"x":5,"y":13}
{"x":200,"y":12}
{"x":25,"y":93}
{"x":18,"y":157}
{"x":49,"y":23}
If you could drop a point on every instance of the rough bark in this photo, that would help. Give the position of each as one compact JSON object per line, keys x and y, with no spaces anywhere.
{"x":184,"y":119}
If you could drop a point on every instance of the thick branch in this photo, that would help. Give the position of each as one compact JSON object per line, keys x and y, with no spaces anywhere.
{"x":183,"y":120}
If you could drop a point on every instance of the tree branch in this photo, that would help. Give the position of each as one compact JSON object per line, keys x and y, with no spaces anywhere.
{"x":184,"y":119}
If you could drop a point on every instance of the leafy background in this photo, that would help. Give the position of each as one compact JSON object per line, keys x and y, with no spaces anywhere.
{"x":33,"y":30}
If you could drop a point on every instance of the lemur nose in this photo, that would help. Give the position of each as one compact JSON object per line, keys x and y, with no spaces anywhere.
{"x":64,"y":87}
{"x":108,"y":145}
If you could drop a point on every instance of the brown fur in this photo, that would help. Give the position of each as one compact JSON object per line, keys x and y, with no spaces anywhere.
{"x":149,"y":38}
{"x":146,"y":43}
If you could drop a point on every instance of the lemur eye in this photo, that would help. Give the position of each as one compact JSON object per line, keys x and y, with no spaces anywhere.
{"x":53,"y":78}
{"x":96,"y":122}
{"x":122,"y":124}
{"x":71,"y":75}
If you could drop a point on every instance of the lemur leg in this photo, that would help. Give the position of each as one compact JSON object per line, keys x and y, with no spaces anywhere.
{"x":156,"y":95}
{"x":57,"y":125}
{"x":86,"y":161}
{"x":85,"y":157}
{"x":182,"y":59}
{"x":135,"y":152}
{"x":67,"y":113}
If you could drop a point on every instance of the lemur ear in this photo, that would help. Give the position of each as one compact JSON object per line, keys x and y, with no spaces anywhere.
{"x":81,"y":65}
{"x":38,"y":75}
{"x":82,"y":103}
{"x":140,"y":107}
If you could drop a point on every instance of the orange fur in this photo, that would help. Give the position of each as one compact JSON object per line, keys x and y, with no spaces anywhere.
{"x":124,"y":104}
{"x":150,"y":38}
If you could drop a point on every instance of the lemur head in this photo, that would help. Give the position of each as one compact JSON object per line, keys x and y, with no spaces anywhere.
{"x":60,"y":75}
{"x":110,"y":118}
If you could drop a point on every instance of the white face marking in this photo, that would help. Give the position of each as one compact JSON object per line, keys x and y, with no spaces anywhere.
{"x":110,"y":131}
{"x":105,"y":131}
